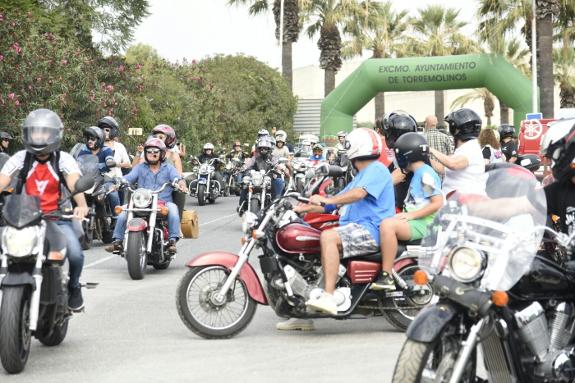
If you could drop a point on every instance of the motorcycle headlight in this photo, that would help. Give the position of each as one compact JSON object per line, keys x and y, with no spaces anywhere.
{"x":246,"y":180}
{"x":204,"y":169}
{"x":250,"y":221}
{"x":267,"y":180}
{"x":142,"y":198}
{"x":20,"y":243}
{"x":257,"y":179}
{"x":466,"y":264}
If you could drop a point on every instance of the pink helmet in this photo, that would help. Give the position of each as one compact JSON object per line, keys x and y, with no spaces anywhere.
{"x":154,"y":142}
{"x":169,"y":132}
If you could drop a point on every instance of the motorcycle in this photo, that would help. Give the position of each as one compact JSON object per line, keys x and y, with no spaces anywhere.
{"x":218,"y":296}
{"x":302,"y":172}
{"x":146,"y":231}
{"x":497,"y":290}
{"x":205,"y":186}
{"x":34,"y":285}
{"x":231,"y":172}
{"x":101,"y":220}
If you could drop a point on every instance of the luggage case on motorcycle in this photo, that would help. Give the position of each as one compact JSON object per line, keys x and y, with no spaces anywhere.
{"x":190,"y":224}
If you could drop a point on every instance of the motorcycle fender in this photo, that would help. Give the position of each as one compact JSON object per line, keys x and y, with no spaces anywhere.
{"x":402,"y":262}
{"x":19,"y":279}
{"x":430,"y":321}
{"x":137,"y":224}
{"x":228,"y":260}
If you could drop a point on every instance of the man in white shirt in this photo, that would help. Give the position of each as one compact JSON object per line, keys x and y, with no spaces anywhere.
{"x":465,"y":169}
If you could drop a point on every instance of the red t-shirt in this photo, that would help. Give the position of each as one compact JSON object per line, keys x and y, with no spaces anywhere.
{"x":43,"y":182}
{"x":387,"y":155}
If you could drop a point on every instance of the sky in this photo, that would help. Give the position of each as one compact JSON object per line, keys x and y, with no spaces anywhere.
{"x":194,"y":29}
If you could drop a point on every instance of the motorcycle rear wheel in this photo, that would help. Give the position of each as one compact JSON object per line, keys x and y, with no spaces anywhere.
{"x":15,"y":334}
{"x":201,"y":315}
{"x":136,"y":255}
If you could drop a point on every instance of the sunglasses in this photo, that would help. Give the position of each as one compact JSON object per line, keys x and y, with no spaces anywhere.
{"x":6,"y":139}
{"x":107,"y":130}
{"x":153,"y":151}
{"x":92,"y":138}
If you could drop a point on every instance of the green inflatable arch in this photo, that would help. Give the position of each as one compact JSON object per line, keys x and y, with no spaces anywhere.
{"x":423,"y":73}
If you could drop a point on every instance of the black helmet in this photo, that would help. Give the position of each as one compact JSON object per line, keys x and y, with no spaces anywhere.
{"x":562,"y":154}
{"x":109,"y":121}
{"x":505,"y":131}
{"x":530,"y":161}
{"x":464,"y":124}
{"x":411,"y":147}
{"x":42,"y":132}
{"x":396,"y":124}
{"x":5,"y":136}
{"x":94,"y":131}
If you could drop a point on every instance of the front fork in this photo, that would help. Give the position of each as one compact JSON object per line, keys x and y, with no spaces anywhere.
{"x":468,"y":346}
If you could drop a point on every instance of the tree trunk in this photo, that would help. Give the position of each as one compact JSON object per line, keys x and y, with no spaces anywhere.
{"x":379,"y":105}
{"x":545,"y":67}
{"x":329,"y":81}
{"x":287,"y":63}
{"x":439,"y":107}
{"x":503,"y":113}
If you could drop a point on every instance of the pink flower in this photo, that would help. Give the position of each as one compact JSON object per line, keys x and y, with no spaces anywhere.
{"x":1,"y":17}
{"x":110,"y":88}
{"x":29,"y":87}
{"x":11,"y":96}
{"x":38,"y":79}
{"x":1,"y":58}
{"x":193,"y":62}
{"x":16,"y":48}
{"x":64,"y":62}
{"x":121,"y":68}
{"x":16,"y":102}
{"x":138,"y":66}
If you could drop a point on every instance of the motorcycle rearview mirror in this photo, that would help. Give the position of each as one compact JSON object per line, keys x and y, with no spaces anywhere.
{"x":322,"y":170}
{"x":82,"y":184}
{"x":111,"y":164}
{"x":335,"y":171}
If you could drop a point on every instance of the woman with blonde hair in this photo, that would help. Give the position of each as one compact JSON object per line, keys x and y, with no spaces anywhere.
{"x":490,"y":146}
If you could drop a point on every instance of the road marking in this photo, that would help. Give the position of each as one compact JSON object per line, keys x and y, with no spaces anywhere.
{"x":115,"y":255}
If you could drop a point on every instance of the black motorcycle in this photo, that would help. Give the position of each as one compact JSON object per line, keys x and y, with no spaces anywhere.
{"x":496,"y":290}
{"x":34,"y":286}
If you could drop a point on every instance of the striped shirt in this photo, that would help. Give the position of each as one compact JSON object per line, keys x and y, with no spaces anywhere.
{"x":439,"y":141}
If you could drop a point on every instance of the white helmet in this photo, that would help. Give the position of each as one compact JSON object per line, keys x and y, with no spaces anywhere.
{"x":209,"y":146}
{"x":557,"y":130}
{"x":281,"y":136}
{"x":363,"y":143}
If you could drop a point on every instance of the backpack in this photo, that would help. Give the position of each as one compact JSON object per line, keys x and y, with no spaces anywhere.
{"x":496,"y":155}
{"x":29,"y":160}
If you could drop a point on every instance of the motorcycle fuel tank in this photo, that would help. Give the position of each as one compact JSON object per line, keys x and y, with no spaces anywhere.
{"x":545,"y":279}
{"x":297,"y":238}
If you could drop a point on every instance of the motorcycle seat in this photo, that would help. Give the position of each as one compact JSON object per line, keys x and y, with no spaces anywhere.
{"x":376,"y":257}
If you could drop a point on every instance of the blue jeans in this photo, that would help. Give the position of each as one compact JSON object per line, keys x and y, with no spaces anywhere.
{"x":278,"y":185}
{"x":173,"y":223}
{"x":113,"y":199}
{"x":74,"y":252}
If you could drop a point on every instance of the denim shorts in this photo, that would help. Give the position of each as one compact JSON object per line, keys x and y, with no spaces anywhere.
{"x":356,"y":240}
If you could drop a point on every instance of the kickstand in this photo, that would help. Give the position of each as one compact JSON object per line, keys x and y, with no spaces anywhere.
{"x":90,"y":285}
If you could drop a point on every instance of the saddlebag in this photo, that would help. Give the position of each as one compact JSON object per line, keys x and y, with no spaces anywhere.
{"x":190,"y":224}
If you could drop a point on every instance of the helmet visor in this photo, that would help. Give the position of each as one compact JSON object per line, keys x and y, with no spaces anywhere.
{"x":40,"y":136}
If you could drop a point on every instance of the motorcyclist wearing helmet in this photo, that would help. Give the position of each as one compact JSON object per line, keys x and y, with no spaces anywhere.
{"x":263,"y":160}
{"x":317,"y":154}
{"x":5,"y":138}
{"x":423,"y":200}
{"x":559,"y":147}
{"x":46,"y":172}
{"x":237,"y":152}
{"x":508,"y":145}
{"x":94,"y":141}
{"x":111,"y":130}
{"x":152,"y":174}
{"x":340,"y":146}
{"x":168,"y":135}
{"x":367,"y":200}
{"x":208,"y":155}
{"x":280,"y":149}
{"x":465,"y":169}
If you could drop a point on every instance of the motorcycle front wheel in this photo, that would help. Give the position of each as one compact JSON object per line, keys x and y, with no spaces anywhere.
{"x":15,"y":334}
{"x":201,"y":195}
{"x":255,"y":206}
{"x":136,"y":255}
{"x":207,"y":318}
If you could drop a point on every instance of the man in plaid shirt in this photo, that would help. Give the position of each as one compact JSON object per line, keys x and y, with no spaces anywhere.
{"x":436,"y":139}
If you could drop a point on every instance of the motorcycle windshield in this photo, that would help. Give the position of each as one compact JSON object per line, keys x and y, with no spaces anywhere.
{"x":21,"y":210}
{"x":3,"y":158}
{"x":492,"y":238}
{"x":88,"y":164}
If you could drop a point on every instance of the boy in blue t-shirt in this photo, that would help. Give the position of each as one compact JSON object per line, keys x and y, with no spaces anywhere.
{"x":423,"y":200}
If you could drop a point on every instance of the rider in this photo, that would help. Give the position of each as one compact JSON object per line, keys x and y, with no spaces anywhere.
{"x":237,"y":152}
{"x":366,"y":201}
{"x":208,"y":155}
{"x":94,"y":141}
{"x":111,"y":130}
{"x":263,"y":160}
{"x":167,"y":134}
{"x":464,"y":169}
{"x":5,"y":143}
{"x":508,"y":145}
{"x":46,"y":172}
{"x":317,"y":154}
{"x":340,"y":146}
{"x":423,"y":200}
{"x":152,"y":174}
{"x":281,"y":150}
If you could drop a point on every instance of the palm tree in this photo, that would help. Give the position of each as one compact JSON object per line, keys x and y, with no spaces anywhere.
{"x":546,"y":9}
{"x":438,"y":33}
{"x":565,"y":76}
{"x":291,"y":28}
{"x":477,"y":94}
{"x":379,"y":29}
{"x":327,"y":17}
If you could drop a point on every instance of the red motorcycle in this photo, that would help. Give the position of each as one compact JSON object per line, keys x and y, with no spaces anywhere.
{"x":218,"y":296}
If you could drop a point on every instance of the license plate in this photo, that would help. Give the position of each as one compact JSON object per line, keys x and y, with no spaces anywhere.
{"x":202,"y":181}
{"x":394,"y":294}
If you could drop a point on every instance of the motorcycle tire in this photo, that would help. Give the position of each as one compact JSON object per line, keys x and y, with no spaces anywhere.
{"x":201,"y":195}
{"x":15,"y":337}
{"x":136,"y":255}
{"x":88,"y":237}
{"x":56,"y":337}
{"x":399,"y":317}
{"x":198,"y":328}
{"x":255,"y":206}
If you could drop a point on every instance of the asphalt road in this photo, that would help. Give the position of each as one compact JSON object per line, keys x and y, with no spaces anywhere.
{"x":131,"y":331}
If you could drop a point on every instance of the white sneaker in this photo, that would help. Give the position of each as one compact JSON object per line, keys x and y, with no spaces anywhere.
{"x":295,"y":324}
{"x":325,"y":302}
